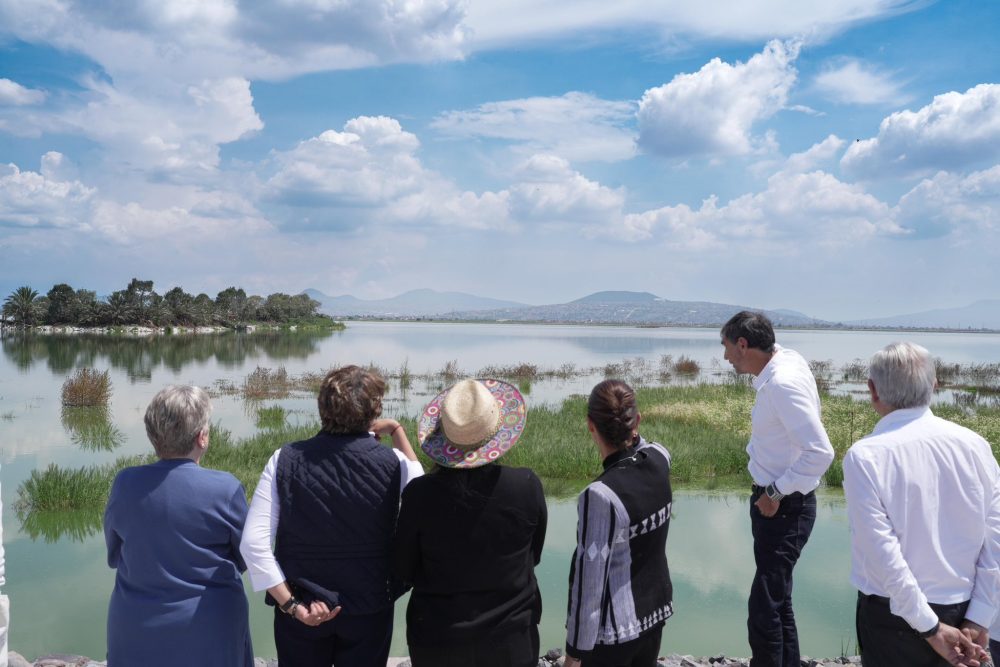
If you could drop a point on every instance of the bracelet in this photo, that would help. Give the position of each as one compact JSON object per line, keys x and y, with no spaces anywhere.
{"x":393,"y":431}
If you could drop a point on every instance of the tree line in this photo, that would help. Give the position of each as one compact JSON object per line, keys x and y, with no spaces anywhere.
{"x":139,"y":304}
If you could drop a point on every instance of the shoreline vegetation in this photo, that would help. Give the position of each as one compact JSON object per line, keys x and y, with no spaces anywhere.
{"x":140,"y":309}
{"x":705,"y":425}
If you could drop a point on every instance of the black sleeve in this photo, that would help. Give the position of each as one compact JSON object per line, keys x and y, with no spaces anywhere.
{"x":538,"y":539}
{"x":405,"y":556}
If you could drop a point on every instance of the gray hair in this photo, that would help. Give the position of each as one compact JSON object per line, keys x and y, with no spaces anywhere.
{"x":903,"y":375}
{"x":175,"y":418}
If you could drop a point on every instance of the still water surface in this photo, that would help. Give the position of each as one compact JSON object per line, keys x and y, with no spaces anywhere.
{"x":59,"y":583}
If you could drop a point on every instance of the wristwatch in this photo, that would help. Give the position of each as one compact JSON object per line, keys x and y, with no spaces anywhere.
{"x":930,"y":633}
{"x":290,"y":605}
{"x":771,"y":491}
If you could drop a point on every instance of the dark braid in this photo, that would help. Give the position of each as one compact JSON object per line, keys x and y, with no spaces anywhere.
{"x":612,"y":409}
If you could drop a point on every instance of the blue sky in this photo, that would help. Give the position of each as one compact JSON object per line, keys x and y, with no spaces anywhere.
{"x":841,"y":159}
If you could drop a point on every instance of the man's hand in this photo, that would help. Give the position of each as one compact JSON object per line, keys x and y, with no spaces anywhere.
{"x":571,"y":662}
{"x":315,"y":613}
{"x":977,"y":633}
{"x":767,"y":506}
{"x":955,"y":646}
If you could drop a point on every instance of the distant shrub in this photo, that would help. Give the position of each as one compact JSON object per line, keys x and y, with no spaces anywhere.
{"x":266,"y":383}
{"x":87,"y":388}
{"x":686,"y":366}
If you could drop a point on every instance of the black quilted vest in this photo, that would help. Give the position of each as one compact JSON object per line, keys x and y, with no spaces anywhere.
{"x":339,"y":497}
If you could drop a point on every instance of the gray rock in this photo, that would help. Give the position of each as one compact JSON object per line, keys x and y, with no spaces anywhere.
{"x":17,"y":660}
{"x":553,"y":654}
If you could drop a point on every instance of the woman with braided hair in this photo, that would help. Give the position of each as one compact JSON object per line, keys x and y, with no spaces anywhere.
{"x":619,"y":585}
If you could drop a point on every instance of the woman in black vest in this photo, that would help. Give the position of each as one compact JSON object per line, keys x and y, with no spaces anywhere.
{"x":330,"y":503}
{"x":470,"y":534}
{"x":619,"y":586}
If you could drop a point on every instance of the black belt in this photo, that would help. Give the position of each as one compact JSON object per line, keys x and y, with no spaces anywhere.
{"x":757,"y":488}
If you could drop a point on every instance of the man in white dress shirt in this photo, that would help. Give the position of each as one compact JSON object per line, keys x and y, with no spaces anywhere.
{"x":789,"y":453}
{"x":923,"y":501}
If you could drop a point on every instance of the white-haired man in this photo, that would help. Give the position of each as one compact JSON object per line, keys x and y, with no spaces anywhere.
{"x":923,"y":501}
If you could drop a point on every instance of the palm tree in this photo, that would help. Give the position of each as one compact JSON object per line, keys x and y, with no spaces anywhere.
{"x":20,"y":306}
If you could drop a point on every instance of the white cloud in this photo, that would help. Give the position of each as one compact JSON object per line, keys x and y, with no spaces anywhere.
{"x":967,"y":205}
{"x":14,"y":94}
{"x":549,"y":191}
{"x":499,"y":22}
{"x":370,"y":173}
{"x":712,"y":111}
{"x":815,"y":155}
{"x":811,"y":208}
{"x":955,"y":130}
{"x":849,"y":81}
{"x":181,"y":40}
{"x":33,"y":199}
{"x":577,"y":126}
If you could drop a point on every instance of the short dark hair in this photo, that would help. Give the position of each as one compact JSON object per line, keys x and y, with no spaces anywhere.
{"x":755,"y":327}
{"x":612,"y":409}
{"x":350,"y":399}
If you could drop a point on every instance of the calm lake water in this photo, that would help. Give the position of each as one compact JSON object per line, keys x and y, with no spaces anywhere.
{"x":59,"y":583}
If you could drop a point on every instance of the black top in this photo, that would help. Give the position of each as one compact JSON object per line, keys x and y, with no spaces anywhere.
{"x":619,"y":582}
{"x":468,"y":542}
{"x":339,"y":498}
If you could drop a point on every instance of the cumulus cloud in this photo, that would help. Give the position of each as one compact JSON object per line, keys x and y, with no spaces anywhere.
{"x":955,"y":131}
{"x":548,"y":190}
{"x":850,"y":81}
{"x":952,"y":203}
{"x":370,"y":172}
{"x":14,"y":94}
{"x":34,"y":199}
{"x":813,"y":207}
{"x":577,"y":126}
{"x":498,"y":22}
{"x":815,"y":155}
{"x":712,"y":111}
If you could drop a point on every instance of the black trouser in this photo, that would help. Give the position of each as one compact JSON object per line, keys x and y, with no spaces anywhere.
{"x":777,"y":543}
{"x":995,"y":651}
{"x":511,"y":649}
{"x":346,"y":641}
{"x":886,"y":640}
{"x":641,"y":652}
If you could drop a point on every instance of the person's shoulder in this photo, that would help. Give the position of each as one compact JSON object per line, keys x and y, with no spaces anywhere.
{"x":219,"y":478}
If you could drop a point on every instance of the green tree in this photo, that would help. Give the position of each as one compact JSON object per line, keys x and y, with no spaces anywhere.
{"x":63,"y":306}
{"x":230,"y":305}
{"x":120,"y":308}
{"x":21,"y":306}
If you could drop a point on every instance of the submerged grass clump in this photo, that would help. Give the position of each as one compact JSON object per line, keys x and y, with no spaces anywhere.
{"x":87,"y":388}
{"x":266,"y":383}
{"x":91,"y":428}
{"x":272,"y":417}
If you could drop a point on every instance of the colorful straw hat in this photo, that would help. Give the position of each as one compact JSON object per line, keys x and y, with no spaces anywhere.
{"x":472,"y":423}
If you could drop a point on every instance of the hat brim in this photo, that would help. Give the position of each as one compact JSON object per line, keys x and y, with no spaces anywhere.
{"x":513,"y":414}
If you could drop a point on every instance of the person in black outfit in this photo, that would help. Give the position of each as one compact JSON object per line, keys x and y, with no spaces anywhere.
{"x":619,"y":584}
{"x":470,"y":534}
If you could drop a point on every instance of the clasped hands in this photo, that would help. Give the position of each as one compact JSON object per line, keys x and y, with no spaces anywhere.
{"x":968,"y":645}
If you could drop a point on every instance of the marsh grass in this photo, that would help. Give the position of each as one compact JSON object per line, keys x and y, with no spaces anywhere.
{"x":77,"y":525}
{"x":271,"y":418}
{"x":263,"y":383}
{"x":91,"y":428}
{"x":705,"y":426}
{"x":87,"y":388}
{"x":8,"y":416}
{"x":686,"y":366}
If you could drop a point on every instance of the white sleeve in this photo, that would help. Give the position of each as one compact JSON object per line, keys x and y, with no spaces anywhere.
{"x":257,"y":544}
{"x":797,"y":412}
{"x":409,"y":470}
{"x":986,"y":589}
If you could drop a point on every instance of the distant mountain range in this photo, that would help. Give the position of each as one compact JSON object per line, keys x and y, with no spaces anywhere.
{"x":979,"y":315}
{"x":415,"y":303}
{"x":600,"y":307}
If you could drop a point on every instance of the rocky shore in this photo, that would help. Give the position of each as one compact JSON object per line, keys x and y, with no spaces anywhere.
{"x":554,"y":658}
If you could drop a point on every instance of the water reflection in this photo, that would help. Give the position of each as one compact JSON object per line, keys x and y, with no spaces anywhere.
{"x":139,"y":356}
{"x":91,"y":428}
{"x":77,"y":526}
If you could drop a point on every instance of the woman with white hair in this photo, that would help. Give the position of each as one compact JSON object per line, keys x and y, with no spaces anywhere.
{"x":173,"y":532}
